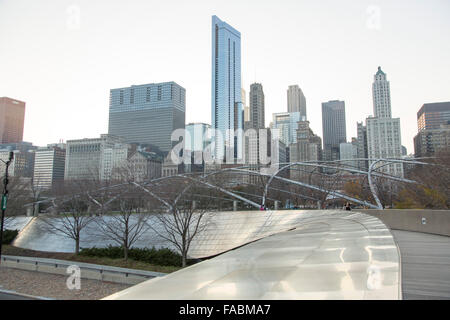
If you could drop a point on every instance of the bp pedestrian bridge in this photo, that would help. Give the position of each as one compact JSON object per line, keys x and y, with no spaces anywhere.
{"x":295,"y":254}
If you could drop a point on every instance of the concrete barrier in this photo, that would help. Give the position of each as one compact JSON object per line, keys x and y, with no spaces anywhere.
{"x":427,"y":221}
{"x":87,"y":270}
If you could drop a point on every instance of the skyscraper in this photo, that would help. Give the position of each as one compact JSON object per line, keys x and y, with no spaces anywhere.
{"x":307,"y":148}
{"x":381,"y":94}
{"x":296,"y":101}
{"x":49,"y":164}
{"x":362,"y":145}
{"x":433,"y":122}
{"x":12,"y":116}
{"x":256,"y":102}
{"x":348,"y":151}
{"x":333,"y":126}
{"x":245,"y":105}
{"x":383,"y":131}
{"x":148,"y":113}
{"x":287,"y":124}
{"x":432,"y":115}
{"x":226,"y":104}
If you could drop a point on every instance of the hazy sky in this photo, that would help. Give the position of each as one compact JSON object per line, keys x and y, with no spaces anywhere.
{"x":62,"y":57}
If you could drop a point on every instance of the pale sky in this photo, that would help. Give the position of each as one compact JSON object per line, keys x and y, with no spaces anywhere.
{"x":62,"y":57}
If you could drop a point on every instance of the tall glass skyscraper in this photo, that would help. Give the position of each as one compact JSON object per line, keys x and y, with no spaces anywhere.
{"x":226,"y":104}
{"x":333,"y":126}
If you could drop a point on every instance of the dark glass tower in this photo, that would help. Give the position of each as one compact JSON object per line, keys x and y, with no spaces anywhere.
{"x":147,"y":114}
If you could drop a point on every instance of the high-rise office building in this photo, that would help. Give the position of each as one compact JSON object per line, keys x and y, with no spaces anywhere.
{"x":226,"y":95}
{"x":381,"y":94}
{"x":287,"y":124}
{"x":307,"y":148}
{"x":333,"y":126}
{"x":361,"y":142}
{"x":12,"y":116}
{"x":49,"y":165}
{"x":198,"y":139}
{"x":147,"y":114}
{"x":256,"y":102}
{"x":95,"y":158}
{"x":245,"y":105}
{"x":197,"y":136}
{"x":296,"y":101}
{"x":432,"y":115}
{"x":23,"y":162}
{"x":383,"y":131}
{"x":348,"y":151}
{"x":428,"y":142}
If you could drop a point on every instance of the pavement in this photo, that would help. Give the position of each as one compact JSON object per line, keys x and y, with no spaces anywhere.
{"x":425,"y":265}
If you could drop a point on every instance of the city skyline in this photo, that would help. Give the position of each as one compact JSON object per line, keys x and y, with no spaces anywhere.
{"x":78,"y":58}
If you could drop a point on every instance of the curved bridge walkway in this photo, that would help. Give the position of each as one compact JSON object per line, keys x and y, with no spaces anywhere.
{"x":334,"y":255}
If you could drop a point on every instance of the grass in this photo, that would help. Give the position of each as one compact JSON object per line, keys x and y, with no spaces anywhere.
{"x":131,"y":264}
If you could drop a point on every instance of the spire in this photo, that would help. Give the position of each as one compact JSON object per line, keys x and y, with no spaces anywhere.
{"x":380,"y":71}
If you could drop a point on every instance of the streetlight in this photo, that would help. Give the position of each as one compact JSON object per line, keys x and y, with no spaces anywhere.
{"x":4,"y":198}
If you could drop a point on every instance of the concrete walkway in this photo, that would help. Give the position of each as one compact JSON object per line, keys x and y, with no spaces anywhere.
{"x":425,"y":265}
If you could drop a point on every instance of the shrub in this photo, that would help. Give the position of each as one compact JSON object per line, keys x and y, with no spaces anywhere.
{"x":9,"y":236}
{"x":161,"y":257}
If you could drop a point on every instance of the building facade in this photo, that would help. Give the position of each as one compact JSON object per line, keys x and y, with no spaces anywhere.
{"x":95,"y":158}
{"x":245,"y":105}
{"x":197,"y":147}
{"x":362,"y":149}
{"x":296,"y":101}
{"x":257,"y":106}
{"x":383,"y":131}
{"x":12,"y":117}
{"x":23,"y":163}
{"x":287,"y":124}
{"x":428,"y":142}
{"x":307,"y":148}
{"x":334,"y":128}
{"x":49,"y":165}
{"x":348,"y":151}
{"x":147,"y":114}
{"x":432,"y":115}
{"x":226,"y":95}
{"x":144,"y":166}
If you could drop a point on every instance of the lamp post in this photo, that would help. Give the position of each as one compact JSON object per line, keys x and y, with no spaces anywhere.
{"x":4,"y":198}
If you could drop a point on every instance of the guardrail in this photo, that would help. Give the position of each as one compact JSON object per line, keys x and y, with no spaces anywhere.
{"x":87,"y":270}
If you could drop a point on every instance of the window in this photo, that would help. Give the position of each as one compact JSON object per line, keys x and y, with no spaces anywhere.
{"x":159,"y":92}
{"x":147,"y":99}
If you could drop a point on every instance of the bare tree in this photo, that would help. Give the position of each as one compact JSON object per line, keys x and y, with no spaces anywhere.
{"x":70,"y":214}
{"x":185,"y":217}
{"x":127,"y":226}
{"x":433,"y":189}
{"x":19,"y":194}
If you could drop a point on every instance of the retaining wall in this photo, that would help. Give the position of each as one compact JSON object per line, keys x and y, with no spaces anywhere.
{"x":428,"y":221}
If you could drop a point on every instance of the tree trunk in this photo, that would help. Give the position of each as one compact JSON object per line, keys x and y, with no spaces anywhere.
{"x":183,"y":259}
{"x":125,"y":252}
{"x":77,"y":245}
